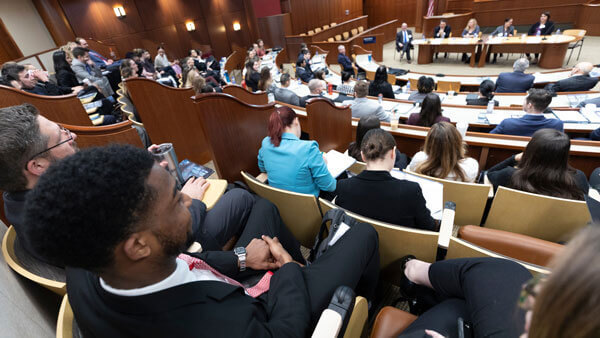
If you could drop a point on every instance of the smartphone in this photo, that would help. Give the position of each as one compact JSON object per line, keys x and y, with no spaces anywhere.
{"x":465,"y":330}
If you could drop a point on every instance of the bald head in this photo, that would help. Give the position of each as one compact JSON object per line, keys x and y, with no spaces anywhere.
{"x":316,"y":86}
{"x":404,"y":26}
{"x":583,"y":68}
{"x":342,"y":49}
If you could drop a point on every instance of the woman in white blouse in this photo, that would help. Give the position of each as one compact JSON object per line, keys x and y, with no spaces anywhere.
{"x":443,"y":155}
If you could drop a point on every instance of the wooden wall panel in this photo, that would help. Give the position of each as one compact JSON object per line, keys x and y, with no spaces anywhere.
{"x":273,"y":29}
{"x":588,"y":19}
{"x":149,"y":23}
{"x":8,"y":48}
{"x":309,"y":14}
{"x":55,"y":20}
{"x":380,"y":11}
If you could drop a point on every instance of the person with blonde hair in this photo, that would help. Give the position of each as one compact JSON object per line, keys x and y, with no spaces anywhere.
{"x":470,"y":31}
{"x":443,"y":155}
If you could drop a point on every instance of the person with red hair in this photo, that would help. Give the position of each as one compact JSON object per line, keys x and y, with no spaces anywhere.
{"x":293,"y":164}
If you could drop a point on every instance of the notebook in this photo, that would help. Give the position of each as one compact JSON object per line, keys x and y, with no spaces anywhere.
{"x":337,"y":162}
{"x":432,"y":191}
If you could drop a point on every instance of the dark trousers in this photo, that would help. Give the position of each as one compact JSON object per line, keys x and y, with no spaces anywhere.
{"x":352,"y":261}
{"x":483,"y":291}
{"x":229,"y":216}
{"x":405,"y":48}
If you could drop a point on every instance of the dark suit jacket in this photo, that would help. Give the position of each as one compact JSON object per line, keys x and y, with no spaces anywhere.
{"x":66,"y":78}
{"x":48,"y":89}
{"x":547,"y":30}
{"x":577,"y":83}
{"x":382,"y":88}
{"x":515,"y":82}
{"x":305,"y":74}
{"x":447,"y":31}
{"x":311,"y":96}
{"x":345,"y":62}
{"x":501,"y":174}
{"x":376,"y":194}
{"x":400,"y":38}
{"x":480,"y":101}
{"x":252,"y":80}
{"x":196,"y":309}
{"x":526,"y":125}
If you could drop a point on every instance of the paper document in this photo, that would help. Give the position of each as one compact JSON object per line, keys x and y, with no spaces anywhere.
{"x":570,"y":116}
{"x":337,"y":162}
{"x":432,"y":191}
{"x":592,"y":116}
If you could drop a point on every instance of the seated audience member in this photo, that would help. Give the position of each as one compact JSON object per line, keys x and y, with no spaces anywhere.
{"x":129,"y":273}
{"x":344,"y":60}
{"x":543,"y":27}
{"x":84,"y":68}
{"x":404,"y":39}
{"x":503,"y":300}
{"x":365,"y":124}
{"x":303,"y":71}
{"x":486,"y":93}
{"x":162,"y":64}
{"x":208,"y":68}
{"x":252,"y":75}
{"x":99,"y":60}
{"x":578,"y":81}
{"x":441,"y":32}
{"x":347,"y":86}
{"x":543,"y":168}
{"x":303,"y":46}
{"x":425,"y":85}
{"x":535,"y":103}
{"x":24,"y":160}
{"x":265,"y":83}
{"x":443,"y":155}
{"x":320,"y":75}
{"x":283,"y":94}
{"x":505,"y":30}
{"x":376,"y":194}
{"x":431,"y":112}
{"x":470,"y":31}
{"x":290,"y":163}
{"x":517,"y":81}
{"x":251,"y":56}
{"x":316,"y":88}
{"x":151,"y":73}
{"x":362,"y":106}
{"x":35,"y":81}
{"x":380,"y":85}
{"x":201,"y":86}
{"x":260,"y":48}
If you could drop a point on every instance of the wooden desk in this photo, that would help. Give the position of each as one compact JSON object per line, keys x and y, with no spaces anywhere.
{"x":552,"y":47}
{"x":428,"y":47}
{"x":456,"y":22}
{"x":214,"y":192}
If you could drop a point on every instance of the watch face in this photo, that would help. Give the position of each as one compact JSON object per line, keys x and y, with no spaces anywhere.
{"x":239,"y":250}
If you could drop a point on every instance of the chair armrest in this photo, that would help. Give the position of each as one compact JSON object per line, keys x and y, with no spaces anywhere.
{"x":390,"y":322}
{"x":214,"y":192}
{"x":334,"y":319}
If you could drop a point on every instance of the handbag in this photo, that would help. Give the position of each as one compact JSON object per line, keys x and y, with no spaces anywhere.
{"x":325,"y":236}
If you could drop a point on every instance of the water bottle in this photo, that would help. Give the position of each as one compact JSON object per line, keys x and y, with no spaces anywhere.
{"x":380,"y":98}
{"x":233,"y":79}
{"x":538,"y":32}
{"x":226,"y":74}
{"x":558,"y":31}
{"x":490,"y":106}
{"x":299,"y":82}
{"x":408,"y":86}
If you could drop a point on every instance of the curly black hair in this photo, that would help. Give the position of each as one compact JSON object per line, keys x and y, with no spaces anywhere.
{"x":86,"y":204}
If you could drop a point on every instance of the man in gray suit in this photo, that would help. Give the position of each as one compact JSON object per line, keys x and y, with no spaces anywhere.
{"x":361,"y":106}
{"x":285,"y":95}
{"x":86,"y":69}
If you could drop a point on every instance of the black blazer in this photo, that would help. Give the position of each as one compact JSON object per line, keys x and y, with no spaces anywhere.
{"x":501,"y":173}
{"x":378,"y":195}
{"x":384,"y":88}
{"x":66,"y":78}
{"x":577,"y":83}
{"x":252,"y":80}
{"x":480,"y":101}
{"x":447,"y":31}
{"x":196,"y":309}
{"x":547,"y":30}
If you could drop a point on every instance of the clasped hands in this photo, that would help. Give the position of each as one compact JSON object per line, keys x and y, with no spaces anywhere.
{"x":266,"y":254}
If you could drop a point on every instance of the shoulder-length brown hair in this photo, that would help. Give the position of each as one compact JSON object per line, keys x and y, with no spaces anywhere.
{"x":444,"y":148}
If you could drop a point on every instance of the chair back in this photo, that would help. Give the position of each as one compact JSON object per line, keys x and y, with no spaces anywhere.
{"x":318,"y":29}
{"x":470,"y":198}
{"x":311,"y":32}
{"x":65,"y":324}
{"x":325,"y":26}
{"x":577,"y":33}
{"x":50,"y":277}
{"x":63,"y":108}
{"x":358,"y":318}
{"x":234,"y":130}
{"x":329,"y":125}
{"x":330,"y":40}
{"x":525,"y":248}
{"x":245,"y":95}
{"x":234,"y":61}
{"x":121,"y":133}
{"x":370,"y":75}
{"x":444,"y":86}
{"x":358,"y":167}
{"x":333,"y":24}
{"x":354,"y":31}
{"x":169,"y":116}
{"x":345,"y":35}
{"x":299,"y":212}
{"x":549,"y":218}
{"x":396,"y":241}
{"x":391,"y":79}
{"x":459,"y":248}
{"x":361,"y":29}
{"x":338,"y":37}
{"x":413,"y":83}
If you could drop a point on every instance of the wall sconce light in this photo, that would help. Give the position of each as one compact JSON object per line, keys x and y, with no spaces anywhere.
{"x":119,"y":11}
{"x":190,"y":26}
{"x":236,"y":26}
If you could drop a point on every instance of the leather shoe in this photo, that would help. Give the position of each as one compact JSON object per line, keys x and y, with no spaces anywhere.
{"x":407,"y":288}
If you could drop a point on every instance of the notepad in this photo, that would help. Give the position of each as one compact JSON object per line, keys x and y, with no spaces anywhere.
{"x":570,"y":116}
{"x":592,"y":116}
{"x":433,"y":191}
{"x":337,"y":162}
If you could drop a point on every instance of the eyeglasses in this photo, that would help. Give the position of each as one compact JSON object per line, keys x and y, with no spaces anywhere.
{"x":69,"y":138}
{"x":530,"y":289}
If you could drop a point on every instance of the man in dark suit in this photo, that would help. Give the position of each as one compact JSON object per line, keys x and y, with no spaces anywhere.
{"x":316,"y":88}
{"x":442,"y":31}
{"x":128,"y":275}
{"x":404,"y":41}
{"x":303,"y":70}
{"x":579,"y":81}
{"x":344,"y":60}
{"x":517,"y":81}
{"x":535,"y":103}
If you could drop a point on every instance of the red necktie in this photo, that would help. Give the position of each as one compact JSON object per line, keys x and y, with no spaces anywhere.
{"x":261,"y":287}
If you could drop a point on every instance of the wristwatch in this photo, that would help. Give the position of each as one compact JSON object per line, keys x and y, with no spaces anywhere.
{"x":241,"y":253}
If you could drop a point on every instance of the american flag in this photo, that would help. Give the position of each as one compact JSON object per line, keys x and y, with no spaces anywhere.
{"x":430,"y":8}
